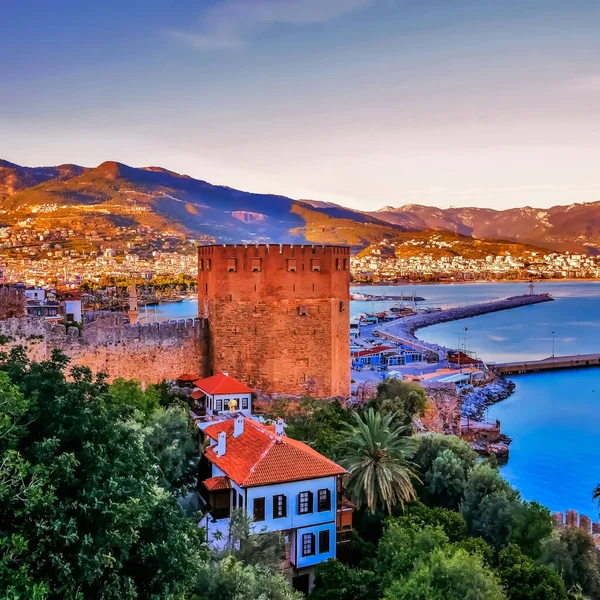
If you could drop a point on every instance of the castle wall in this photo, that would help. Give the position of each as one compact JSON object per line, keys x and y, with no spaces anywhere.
{"x":279,"y":316}
{"x":149,"y":352}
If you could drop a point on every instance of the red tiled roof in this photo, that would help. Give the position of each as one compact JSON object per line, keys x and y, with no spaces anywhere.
{"x":217,"y":483}
{"x":187,"y":377}
{"x":374,"y":350}
{"x":222,"y":384}
{"x":259,"y":457}
{"x":196,"y":395}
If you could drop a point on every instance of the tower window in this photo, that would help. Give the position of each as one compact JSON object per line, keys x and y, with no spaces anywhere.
{"x":342,"y":306}
{"x":256,"y":265}
{"x":315,"y":264}
{"x":232,"y":265}
{"x":302,"y":311}
{"x":207,"y":264}
{"x":338,"y":264}
{"x":201,"y":264}
{"x":345,"y":264}
{"x":291,"y":265}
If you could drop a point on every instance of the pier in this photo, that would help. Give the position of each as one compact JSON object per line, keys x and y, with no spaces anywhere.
{"x":403,"y":330}
{"x":552,"y":363}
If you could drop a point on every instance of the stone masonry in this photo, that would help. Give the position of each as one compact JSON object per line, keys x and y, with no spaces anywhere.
{"x":279,"y":316}
{"x":149,"y":353}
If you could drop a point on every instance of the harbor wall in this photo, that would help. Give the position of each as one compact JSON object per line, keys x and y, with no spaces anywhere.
{"x":404,"y":329}
{"x":149,"y":352}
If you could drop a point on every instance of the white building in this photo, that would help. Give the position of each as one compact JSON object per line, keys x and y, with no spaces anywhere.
{"x":283,"y":483}
{"x":220,"y":393}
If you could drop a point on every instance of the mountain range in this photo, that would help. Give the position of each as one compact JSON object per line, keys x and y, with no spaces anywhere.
{"x":116,"y":195}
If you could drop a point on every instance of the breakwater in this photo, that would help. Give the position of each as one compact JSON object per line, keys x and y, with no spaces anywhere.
{"x":403,"y":330}
{"x":552,"y":363}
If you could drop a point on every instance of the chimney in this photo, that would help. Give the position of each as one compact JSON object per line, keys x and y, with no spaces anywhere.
{"x":279,"y":427}
{"x":238,"y":426}
{"x":221,"y":444}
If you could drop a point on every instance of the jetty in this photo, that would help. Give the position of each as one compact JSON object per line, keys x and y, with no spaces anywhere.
{"x":552,"y":363}
{"x":403,"y":330}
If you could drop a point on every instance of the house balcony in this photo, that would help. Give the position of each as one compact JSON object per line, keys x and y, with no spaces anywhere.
{"x":344,"y":521}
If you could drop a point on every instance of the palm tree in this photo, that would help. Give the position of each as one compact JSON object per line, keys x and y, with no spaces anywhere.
{"x":376,"y":456}
{"x":596,"y":494}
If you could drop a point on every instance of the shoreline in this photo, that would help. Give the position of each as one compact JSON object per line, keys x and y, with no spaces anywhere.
{"x":478,"y":282}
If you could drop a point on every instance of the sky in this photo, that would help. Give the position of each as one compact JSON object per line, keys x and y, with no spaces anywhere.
{"x":362,"y":102}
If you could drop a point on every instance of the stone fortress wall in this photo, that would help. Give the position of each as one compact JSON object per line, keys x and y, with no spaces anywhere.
{"x":149,"y":352}
{"x":279,"y":316}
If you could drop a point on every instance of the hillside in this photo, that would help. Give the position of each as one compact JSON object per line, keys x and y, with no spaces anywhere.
{"x":575,"y":228}
{"x":116,"y":195}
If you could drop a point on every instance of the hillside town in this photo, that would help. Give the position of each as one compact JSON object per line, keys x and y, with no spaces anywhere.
{"x":434,"y":260}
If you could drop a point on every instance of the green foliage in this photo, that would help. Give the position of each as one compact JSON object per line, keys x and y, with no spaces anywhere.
{"x":245,"y":543}
{"x":446,"y":480}
{"x":336,"y":581}
{"x":417,"y":515}
{"x":376,"y":453}
{"x":531,"y":523}
{"x":571,"y":553}
{"x":81,"y":511}
{"x":431,"y":445}
{"x":404,"y":546}
{"x":358,"y":553}
{"x":447,"y":576}
{"x":524,"y":579}
{"x":168,"y":440}
{"x":231,"y":579}
{"x":128,"y":396}
{"x":317,"y":423}
{"x":404,"y":401}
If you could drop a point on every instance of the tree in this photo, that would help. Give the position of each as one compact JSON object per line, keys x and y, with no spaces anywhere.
{"x":404,"y":400}
{"x":446,"y":480}
{"x":81,"y":511}
{"x":417,"y":516}
{"x":443,"y":576}
{"x":571,"y":553}
{"x":376,"y":453}
{"x":404,"y":546}
{"x":261,"y":548}
{"x":488,"y":505}
{"x":524,"y":579}
{"x":167,"y":438}
{"x":531,"y":523}
{"x":336,"y":581}
{"x":129,"y":397}
{"x":431,"y":445}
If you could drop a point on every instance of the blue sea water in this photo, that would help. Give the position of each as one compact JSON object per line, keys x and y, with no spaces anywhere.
{"x":553,"y":418}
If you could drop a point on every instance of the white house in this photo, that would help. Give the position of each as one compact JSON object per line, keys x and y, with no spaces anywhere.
{"x":220,"y":394}
{"x":283,"y":483}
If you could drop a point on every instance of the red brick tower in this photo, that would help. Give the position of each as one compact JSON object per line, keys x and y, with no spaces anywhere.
{"x":279,"y":316}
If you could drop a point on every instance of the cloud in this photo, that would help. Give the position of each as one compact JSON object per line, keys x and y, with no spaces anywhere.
{"x":497,"y":338}
{"x":233,"y":23}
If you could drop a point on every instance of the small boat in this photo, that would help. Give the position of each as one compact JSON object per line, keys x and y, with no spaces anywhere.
{"x":170,"y":300}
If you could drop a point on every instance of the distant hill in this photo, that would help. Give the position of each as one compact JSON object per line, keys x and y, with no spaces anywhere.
{"x":115,"y":194}
{"x":156,"y":199}
{"x":575,"y":227}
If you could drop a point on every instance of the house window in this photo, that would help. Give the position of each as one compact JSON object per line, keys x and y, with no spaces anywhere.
{"x":323,"y":541}
{"x":232,"y":265}
{"x":308,"y":544}
{"x":291,"y":265}
{"x":279,"y":506}
{"x":305,"y":503}
{"x":219,"y":405}
{"x":226,"y":404}
{"x":324,"y":500}
{"x":256,"y":265}
{"x":315,"y":264}
{"x":240,"y":500}
{"x":259,"y":509}
{"x":244,"y":403}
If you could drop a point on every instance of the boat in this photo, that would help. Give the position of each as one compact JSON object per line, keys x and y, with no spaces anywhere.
{"x":170,"y":300}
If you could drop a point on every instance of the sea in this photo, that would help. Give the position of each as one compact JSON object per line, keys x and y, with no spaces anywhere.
{"x":553,"y":418}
